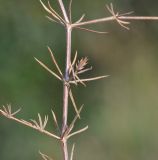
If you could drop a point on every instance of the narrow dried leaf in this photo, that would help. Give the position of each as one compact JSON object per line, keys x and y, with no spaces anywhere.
{"x":90,"y":30}
{"x":5,"y":109}
{"x":53,"y":11}
{"x":40,"y":125}
{"x":54,"y":61}
{"x":73,"y":102}
{"x":70,"y":10}
{"x":45,"y":121}
{"x":72,"y":152}
{"x":50,"y":71}
{"x":128,"y":13}
{"x":55,"y":120}
{"x":81,"y":18}
{"x":85,"y":70}
{"x":122,"y":23}
{"x":79,"y":80}
{"x":8,"y":110}
{"x":4,"y":113}
{"x":44,"y":6}
{"x":77,"y":132}
{"x":71,"y":126}
{"x":40,"y":121}
{"x":71,"y":68}
{"x":74,"y":60}
{"x":35,"y":123}
{"x":44,"y":156}
{"x":52,"y":20}
{"x":49,"y":11}
{"x":14,"y":113}
{"x":91,"y":79}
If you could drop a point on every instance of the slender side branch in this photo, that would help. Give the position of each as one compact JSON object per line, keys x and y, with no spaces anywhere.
{"x":63,"y":10}
{"x":144,"y":18}
{"x":29,"y":124}
{"x":94,"y":21}
{"x":50,"y":71}
{"x":89,"y":79}
{"x":77,"y":132}
{"x":72,"y":152}
{"x":111,"y":18}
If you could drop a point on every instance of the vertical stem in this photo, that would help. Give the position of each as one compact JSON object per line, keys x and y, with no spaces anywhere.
{"x":66,"y":77}
{"x":65,"y":149}
{"x":66,"y":89}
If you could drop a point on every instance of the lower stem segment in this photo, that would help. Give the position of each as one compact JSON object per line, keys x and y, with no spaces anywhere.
{"x":65,"y":149}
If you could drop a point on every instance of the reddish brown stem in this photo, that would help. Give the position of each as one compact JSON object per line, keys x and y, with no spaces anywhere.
{"x":66,"y":89}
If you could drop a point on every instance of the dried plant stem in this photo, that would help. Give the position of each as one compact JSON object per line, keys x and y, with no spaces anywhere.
{"x":66,"y":89}
{"x":66,"y":78}
{"x":72,"y":71}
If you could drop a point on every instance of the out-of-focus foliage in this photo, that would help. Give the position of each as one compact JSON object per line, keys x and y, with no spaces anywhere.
{"x":121,"y":111}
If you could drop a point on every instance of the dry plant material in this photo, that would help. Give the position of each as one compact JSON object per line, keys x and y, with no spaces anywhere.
{"x":40,"y":124}
{"x":73,"y":70}
{"x":44,"y":156}
{"x":72,"y":152}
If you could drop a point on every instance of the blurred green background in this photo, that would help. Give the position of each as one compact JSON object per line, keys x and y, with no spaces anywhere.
{"x":121,"y":111}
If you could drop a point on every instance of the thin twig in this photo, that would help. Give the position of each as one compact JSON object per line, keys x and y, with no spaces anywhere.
{"x":40,"y":125}
{"x":8,"y":111}
{"x":50,"y":71}
{"x":71,"y":126}
{"x":52,"y":12}
{"x":52,"y":20}
{"x":85,"y":70}
{"x":116,"y":15}
{"x":62,"y":7}
{"x":138,"y":18}
{"x":73,"y":63}
{"x":77,"y":79}
{"x":55,"y":121}
{"x":29,"y":124}
{"x":44,"y":156}
{"x":77,"y":132}
{"x":80,"y":19}
{"x":90,"y":79}
{"x":70,"y":11}
{"x":72,"y":152}
{"x":55,"y":62}
{"x":73,"y":102}
{"x":90,"y":30}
